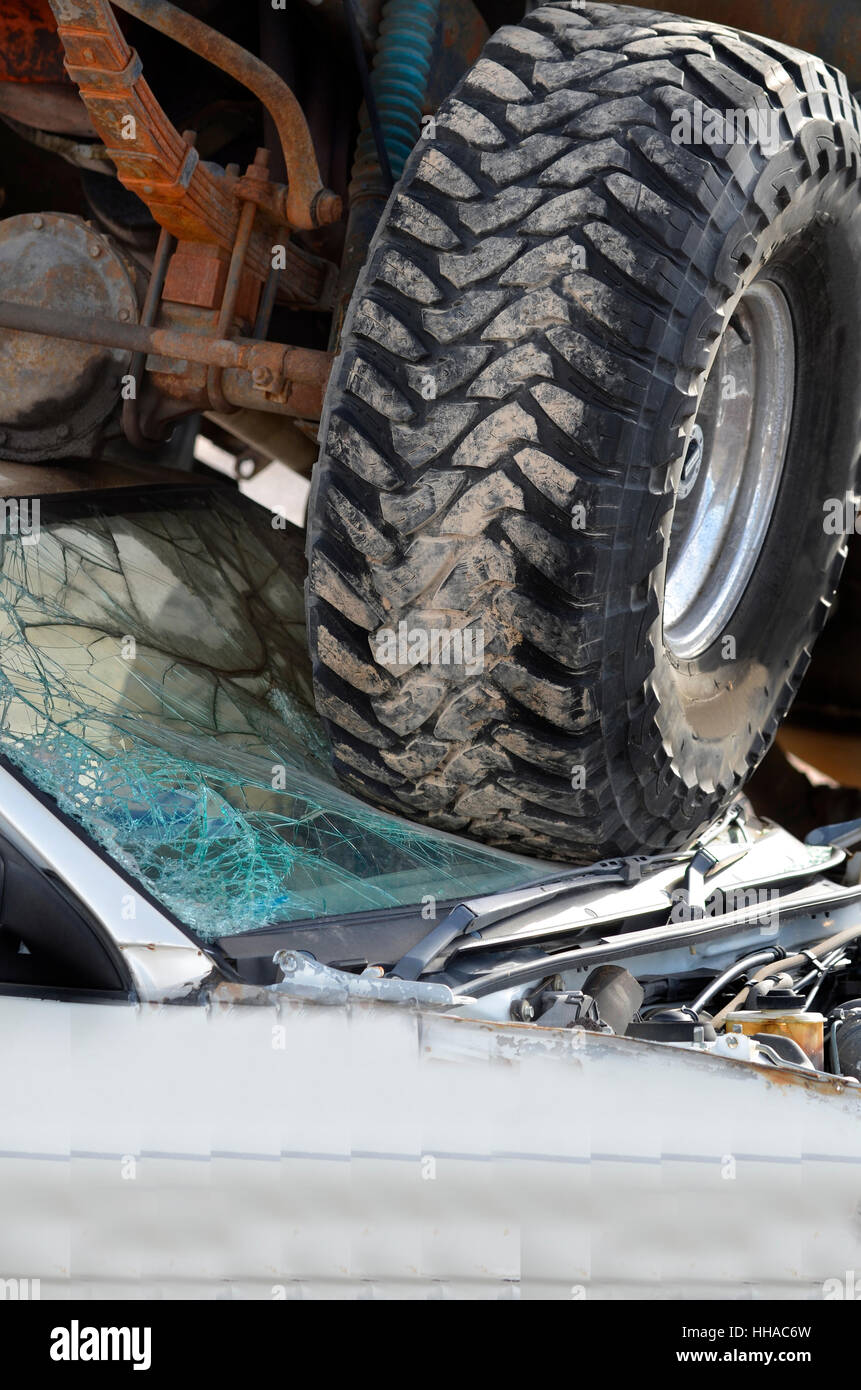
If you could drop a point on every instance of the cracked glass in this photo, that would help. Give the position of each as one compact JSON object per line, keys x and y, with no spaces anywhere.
{"x":155,"y":683}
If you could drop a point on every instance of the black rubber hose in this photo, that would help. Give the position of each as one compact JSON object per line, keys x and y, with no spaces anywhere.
{"x":763,"y":957}
{"x":368,"y":92}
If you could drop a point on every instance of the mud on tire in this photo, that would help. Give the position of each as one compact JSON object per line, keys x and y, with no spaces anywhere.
{"x":507,"y":424}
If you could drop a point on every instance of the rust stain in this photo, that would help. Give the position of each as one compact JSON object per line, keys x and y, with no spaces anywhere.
{"x":463,"y":29}
{"x":818,"y":1083}
{"x":30,"y":50}
{"x":191,"y":200}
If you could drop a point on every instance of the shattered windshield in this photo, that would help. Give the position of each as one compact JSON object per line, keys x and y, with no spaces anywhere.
{"x":155,"y":682}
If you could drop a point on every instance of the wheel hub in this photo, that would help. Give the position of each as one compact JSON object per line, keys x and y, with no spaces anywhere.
{"x":731,"y":473}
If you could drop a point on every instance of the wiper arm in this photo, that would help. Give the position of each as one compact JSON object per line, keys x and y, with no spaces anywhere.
{"x":418,"y":958}
{"x":468,"y":917}
{"x":652,"y":881}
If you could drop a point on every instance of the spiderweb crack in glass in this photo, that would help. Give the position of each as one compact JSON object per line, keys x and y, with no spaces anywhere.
{"x":154,"y":675}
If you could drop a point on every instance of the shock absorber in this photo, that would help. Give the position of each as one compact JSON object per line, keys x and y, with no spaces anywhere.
{"x":399,"y":80}
{"x":400,"y":75}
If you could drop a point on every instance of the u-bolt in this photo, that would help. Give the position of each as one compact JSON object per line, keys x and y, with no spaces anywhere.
{"x":308,"y":203}
{"x":257,"y":170}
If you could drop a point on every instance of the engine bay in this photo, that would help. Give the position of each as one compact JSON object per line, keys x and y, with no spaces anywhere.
{"x":745,"y":947}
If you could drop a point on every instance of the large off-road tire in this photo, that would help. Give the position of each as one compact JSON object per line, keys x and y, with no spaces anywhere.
{"x":597,"y":384}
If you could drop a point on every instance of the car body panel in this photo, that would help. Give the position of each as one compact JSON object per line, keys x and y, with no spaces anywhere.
{"x":295,"y":1149}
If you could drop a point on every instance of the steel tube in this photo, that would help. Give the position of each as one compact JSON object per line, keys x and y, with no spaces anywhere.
{"x":739,"y":967}
{"x":131,"y":412}
{"x":308,"y":204}
{"x":233,"y":283}
{"x":305,"y":365}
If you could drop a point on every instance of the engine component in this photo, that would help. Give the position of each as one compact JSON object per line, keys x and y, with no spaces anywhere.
{"x":57,"y":395}
{"x":608,"y":1001}
{"x":616,"y":993}
{"x":845,"y":1034}
{"x":777,"y":994}
{"x":783,"y":1015}
{"x":560,"y":1008}
{"x":786,"y":963}
{"x":740,"y":967}
{"x":672,"y":1026}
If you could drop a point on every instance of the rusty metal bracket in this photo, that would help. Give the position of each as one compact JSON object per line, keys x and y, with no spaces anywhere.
{"x":307,"y":203}
{"x":256,"y":176}
{"x":295,"y":377}
{"x":192,"y":200}
{"x":131,"y":411}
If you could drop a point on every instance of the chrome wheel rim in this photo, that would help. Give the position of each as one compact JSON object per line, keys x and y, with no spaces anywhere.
{"x":731,"y":472}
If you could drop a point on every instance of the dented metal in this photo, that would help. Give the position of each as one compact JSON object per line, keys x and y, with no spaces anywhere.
{"x":376,"y":1151}
{"x":306,"y":978}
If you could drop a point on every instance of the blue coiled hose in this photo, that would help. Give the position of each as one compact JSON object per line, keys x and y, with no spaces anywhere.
{"x":400,"y":75}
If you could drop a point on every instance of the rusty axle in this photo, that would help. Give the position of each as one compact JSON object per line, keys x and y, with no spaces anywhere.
{"x":274,"y":369}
